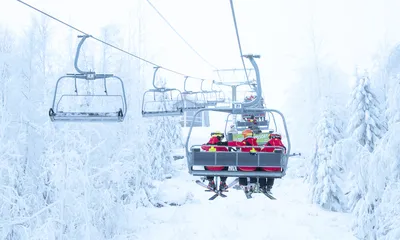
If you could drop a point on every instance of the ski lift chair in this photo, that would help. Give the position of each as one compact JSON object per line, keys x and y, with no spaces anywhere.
{"x":277,"y":159}
{"x":211,"y":96}
{"x":219,"y":95}
{"x":253,"y":118}
{"x":162,"y":102}
{"x":57,"y":113}
{"x":192,"y":100}
{"x":261,"y":131}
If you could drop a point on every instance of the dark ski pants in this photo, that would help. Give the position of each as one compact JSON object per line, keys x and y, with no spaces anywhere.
{"x":269,"y":182}
{"x":243,"y":180}
{"x":223,"y":179}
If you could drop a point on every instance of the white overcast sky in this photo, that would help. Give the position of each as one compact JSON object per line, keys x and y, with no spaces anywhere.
{"x":350,"y":30}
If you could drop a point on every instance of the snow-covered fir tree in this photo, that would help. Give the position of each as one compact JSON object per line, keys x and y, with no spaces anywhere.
{"x":366,"y":124}
{"x":377,"y":212}
{"x":325,"y":173}
{"x":352,"y":159}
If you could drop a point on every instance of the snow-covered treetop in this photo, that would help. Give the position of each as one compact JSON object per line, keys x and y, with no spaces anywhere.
{"x":366,"y":125}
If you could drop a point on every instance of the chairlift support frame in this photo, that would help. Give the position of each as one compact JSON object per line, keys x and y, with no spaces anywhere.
{"x":56,"y":115}
{"x":234,"y":86}
{"x":177,"y":106}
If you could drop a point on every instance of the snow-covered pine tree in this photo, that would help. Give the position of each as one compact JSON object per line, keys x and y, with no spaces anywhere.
{"x":366,"y":125}
{"x":376,"y":213}
{"x":352,"y":159}
{"x":325,"y":174}
{"x":164,"y":136}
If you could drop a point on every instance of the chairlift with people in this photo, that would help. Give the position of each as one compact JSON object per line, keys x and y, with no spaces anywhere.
{"x":276,"y":159}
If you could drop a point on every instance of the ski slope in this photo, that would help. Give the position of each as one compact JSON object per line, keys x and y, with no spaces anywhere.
{"x":290,"y":217}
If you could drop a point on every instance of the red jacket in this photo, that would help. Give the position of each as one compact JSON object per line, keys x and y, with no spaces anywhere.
{"x":273,"y":144}
{"x":205,"y":147}
{"x":250,"y":141}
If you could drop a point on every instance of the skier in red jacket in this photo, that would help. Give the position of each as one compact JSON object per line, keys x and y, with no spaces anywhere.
{"x":275,"y":142}
{"x":247,"y":145}
{"x":216,"y":139}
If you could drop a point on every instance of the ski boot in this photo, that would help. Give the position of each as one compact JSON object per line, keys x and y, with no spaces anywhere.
{"x":223,"y":186}
{"x":252,"y":187}
{"x":246,"y":191}
{"x":211,"y":185}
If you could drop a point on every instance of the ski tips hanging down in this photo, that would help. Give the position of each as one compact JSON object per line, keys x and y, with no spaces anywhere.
{"x":218,"y":192}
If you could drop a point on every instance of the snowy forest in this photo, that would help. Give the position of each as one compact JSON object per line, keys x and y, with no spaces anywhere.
{"x":93,"y":180}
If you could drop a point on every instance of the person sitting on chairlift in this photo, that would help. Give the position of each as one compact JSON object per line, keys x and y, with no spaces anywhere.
{"x":216,"y":139}
{"x":275,"y":142}
{"x":249,"y":140}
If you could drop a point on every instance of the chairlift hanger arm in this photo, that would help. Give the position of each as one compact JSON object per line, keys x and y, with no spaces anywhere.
{"x":201,"y":86}
{"x":258,"y":88}
{"x":154,"y":77}
{"x":184,"y":84}
{"x":83,"y":38}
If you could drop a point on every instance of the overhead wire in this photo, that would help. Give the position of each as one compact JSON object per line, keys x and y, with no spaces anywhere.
{"x":179,"y":35}
{"x":238,"y":40}
{"x":106,"y":43}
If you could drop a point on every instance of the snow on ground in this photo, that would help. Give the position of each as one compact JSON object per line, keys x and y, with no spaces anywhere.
{"x":290,"y":217}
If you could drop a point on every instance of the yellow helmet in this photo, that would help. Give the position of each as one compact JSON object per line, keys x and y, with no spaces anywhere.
{"x":217,"y":134}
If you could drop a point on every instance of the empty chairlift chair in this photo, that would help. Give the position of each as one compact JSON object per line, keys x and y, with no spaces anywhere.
{"x":192,"y":100}
{"x":219,"y":95}
{"x":75,"y":102}
{"x":211,"y":96}
{"x":162,"y":101}
{"x":254,"y":119}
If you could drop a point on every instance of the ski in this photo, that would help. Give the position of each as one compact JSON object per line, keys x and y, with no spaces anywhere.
{"x":215,"y":196}
{"x":247,"y":193}
{"x":269,"y":195}
{"x":217,"y":192}
{"x":231,"y":185}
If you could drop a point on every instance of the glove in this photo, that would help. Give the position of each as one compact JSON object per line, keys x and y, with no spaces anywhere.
{"x":230,"y":149}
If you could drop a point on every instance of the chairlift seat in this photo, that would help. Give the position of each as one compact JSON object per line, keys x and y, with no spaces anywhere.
{"x":159,"y":102}
{"x":86,"y":116}
{"x":248,"y":124}
{"x":274,"y":159}
{"x":193,"y":101}
{"x":172,"y":113}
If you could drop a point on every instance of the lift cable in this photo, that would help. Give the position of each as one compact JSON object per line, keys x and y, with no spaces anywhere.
{"x":238,"y":40}
{"x":106,"y":43}
{"x":179,"y":35}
